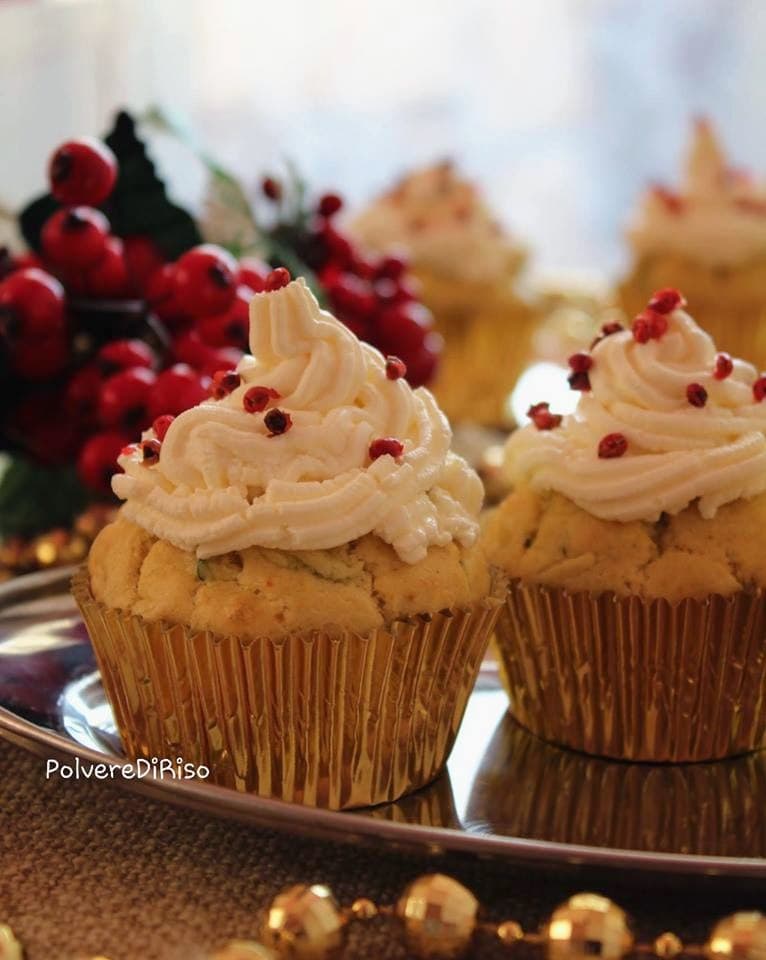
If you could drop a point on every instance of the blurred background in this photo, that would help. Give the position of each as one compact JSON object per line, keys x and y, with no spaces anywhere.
{"x":562,"y":109}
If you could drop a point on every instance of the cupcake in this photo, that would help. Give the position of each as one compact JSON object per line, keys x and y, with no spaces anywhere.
{"x":468,"y":268}
{"x":709,"y":239}
{"x":635,"y":622}
{"x":292,"y":594}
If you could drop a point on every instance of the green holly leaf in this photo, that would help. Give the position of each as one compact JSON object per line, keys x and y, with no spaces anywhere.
{"x":34,"y":499}
{"x":139,"y":203}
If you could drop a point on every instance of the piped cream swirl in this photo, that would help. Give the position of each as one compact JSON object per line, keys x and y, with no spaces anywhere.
{"x":223,"y":483}
{"x":717,"y":217}
{"x":677,"y":453}
{"x":442,"y":224}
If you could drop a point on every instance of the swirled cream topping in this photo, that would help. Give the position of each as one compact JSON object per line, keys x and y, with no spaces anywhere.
{"x":717,"y":217}
{"x":224,"y":481}
{"x":675,"y":453}
{"x":440,"y":221}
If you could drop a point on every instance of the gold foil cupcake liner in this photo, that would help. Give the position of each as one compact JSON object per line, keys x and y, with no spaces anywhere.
{"x":528,"y":788}
{"x":636,"y":679}
{"x":325,"y":720}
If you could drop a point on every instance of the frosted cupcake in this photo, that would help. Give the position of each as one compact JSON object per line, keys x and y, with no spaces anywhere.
{"x":635,"y":625}
{"x":709,"y":238}
{"x":292,"y":594}
{"x":468,"y":267}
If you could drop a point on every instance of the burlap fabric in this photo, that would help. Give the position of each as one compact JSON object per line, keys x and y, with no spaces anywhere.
{"x":87,"y":869}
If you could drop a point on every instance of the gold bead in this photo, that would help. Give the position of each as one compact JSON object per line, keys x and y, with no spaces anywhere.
{"x":741,"y":936}
{"x":304,"y":923}
{"x":363,"y":909}
{"x":10,"y":948}
{"x":439,"y":916}
{"x":509,"y":932}
{"x":587,"y":926}
{"x":668,"y":946}
{"x":244,"y":950}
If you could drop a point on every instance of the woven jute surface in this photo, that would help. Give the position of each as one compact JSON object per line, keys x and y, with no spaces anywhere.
{"x":87,"y":868}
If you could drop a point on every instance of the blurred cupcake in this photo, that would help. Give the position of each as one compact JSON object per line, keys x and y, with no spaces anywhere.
{"x":635,"y":624}
{"x":468,"y":268}
{"x":709,"y":239}
{"x":292,"y":595}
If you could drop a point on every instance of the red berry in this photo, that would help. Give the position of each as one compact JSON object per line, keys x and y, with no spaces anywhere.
{"x":386,"y":446}
{"x":31,"y":304}
{"x":391,"y":268}
{"x":222,"y":358}
{"x":108,"y":277}
{"x":160,"y":294}
{"x":352,"y":296}
{"x":150,"y":452}
{"x":338,"y":246}
{"x":75,"y":236}
{"x":177,"y":389}
{"x":580,"y":362}
{"x":189,"y":348}
{"x":252,"y":273}
{"x":612,"y":445}
{"x":271,"y":188}
{"x":723,"y":366}
{"x":422,"y":365}
{"x":579,"y":381}
{"x":123,"y":354}
{"x":82,"y":171}
{"x":125,"y":398}
{"x":51,"y":440}
{"x":97,"y":462}
{"x":24,"y":260}
{"x":759,"y":389}
{"x":143,"y":259}
{"x":204,"y":280}
{"x":224,"y":383}
{"x":642,"y":332}
{"x":395,"y":368}
{"x":543,"y":419}
{"x":667,"y":300}
{"x":277,"y":279}
{"x":230,"y":328}
{"x":696,"y":394}
{"x":401,"y":329}
{"x":257,"y":399}
{"x":81,"y":394}
{"x":277,"y":422}
{"x":161,"y":425}
{"x":329,"y":204}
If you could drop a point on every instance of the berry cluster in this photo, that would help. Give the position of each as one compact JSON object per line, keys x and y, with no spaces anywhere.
{"x":374,"y":296}
{"x":102,"y":337}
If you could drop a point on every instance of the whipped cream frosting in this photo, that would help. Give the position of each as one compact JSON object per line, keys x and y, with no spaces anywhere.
{"x":440,"y":221}
{"x":676,"y":453}
{"x":223,"y":483}
{"x":717,"y":217}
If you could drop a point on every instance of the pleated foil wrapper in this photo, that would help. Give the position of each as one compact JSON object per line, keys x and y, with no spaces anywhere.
{"x":530,"y":789}
{"x":636,"y":679}
{"x":336,"y":721}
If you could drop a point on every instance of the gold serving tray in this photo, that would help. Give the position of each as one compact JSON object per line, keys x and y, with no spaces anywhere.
{"x":504,"y":794}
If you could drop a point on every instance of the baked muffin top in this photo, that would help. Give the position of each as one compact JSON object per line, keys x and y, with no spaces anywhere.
{"x":313,"y":442}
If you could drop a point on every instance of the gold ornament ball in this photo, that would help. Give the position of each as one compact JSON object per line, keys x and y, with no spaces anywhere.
{"x":587,"y":926}
{"x":244,"y":950}
{"x":667,"y":946}
{"x":742,"y":936}
{"x":10,"y":948}
{"x":304,"y":923}
{"x":509,"y":932}
{"x":439,"y":916}
{"x":363,"y":909}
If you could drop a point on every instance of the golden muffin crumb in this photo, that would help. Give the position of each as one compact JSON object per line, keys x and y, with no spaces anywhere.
{"x":545,"y":538}
{"x":261,"y":592}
